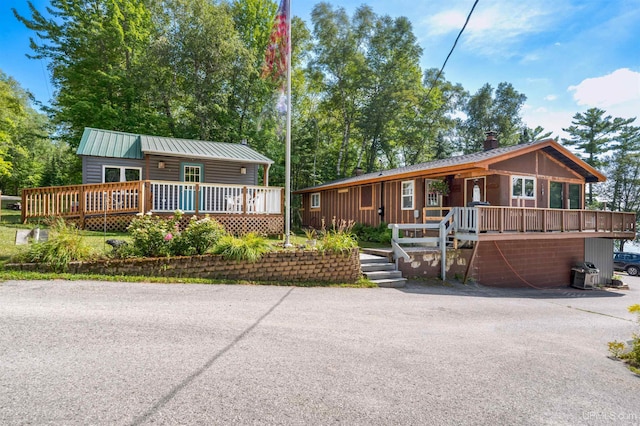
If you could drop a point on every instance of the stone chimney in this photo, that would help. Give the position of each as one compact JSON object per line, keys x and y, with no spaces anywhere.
{"x":358,"y":171}
{"x":491,"y":142}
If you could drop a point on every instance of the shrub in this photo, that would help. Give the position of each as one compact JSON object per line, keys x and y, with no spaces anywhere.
{"x":338,"y":239}
{"x":249,"y":247}
{"x":374,"y":234}
{"x":152,"y":236}
{"x":198,"y":237}
{"x":64,"y":245}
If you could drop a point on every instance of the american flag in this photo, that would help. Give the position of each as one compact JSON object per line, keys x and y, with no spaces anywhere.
{"x":275,"y":61}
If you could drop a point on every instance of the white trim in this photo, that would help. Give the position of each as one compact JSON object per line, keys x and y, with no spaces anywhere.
{"x":523,"y":179}
{"x":122,"y":171}
{"x":312,"y":205}
{"x":412,"y":195}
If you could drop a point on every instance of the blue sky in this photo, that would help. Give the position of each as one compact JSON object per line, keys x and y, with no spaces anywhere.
{"x":566,"y":56}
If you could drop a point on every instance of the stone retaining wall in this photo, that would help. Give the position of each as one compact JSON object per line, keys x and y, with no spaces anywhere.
{"x":284,"y":266}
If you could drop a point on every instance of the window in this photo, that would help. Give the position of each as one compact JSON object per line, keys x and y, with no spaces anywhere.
{"x":315,"y":200}
{"x":575,"y":200}
{"x":120,"y":174}
{"x":523,"y":187}
{"x":192,"y":173}
{"x":433,"y":198}
{"x":366,"y":197}
{"x":407,"y":195}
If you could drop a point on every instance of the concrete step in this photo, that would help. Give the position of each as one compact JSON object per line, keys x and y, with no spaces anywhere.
{"x":383,"y":275}
{"x":391,"y":283}
{"x":370,"y":267}
{"x":370,"y":258}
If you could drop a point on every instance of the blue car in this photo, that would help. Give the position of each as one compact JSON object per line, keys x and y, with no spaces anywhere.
{"x":628,"y":262}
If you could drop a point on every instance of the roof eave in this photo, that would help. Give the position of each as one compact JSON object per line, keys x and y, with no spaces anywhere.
{"x":208,"y":157}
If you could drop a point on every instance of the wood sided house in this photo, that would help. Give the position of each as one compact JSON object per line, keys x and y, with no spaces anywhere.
{"x":125,"y":174}
{"x":508,"y":216}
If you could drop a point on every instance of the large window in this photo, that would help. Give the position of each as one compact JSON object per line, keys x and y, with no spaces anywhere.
{"x":120,"y":174}
{"x":523,"y":187}
{"x":407,"y":195}
{"x":315,"y":200}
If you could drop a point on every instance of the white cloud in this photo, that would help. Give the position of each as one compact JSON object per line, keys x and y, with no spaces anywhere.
{"x":550,"y":98}
{"x":620,"y":87}
{"x":551,"y":121}
{"x":495,"y":25}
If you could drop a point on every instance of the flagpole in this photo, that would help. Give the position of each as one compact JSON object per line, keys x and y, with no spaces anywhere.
{"x":287,"y":165}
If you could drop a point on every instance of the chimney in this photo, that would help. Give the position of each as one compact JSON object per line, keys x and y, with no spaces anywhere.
{"x":491,"y":142}
{"x":243,"y":142}
{"x":358,"y":171}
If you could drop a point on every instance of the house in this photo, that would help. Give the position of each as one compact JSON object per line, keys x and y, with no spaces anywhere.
{"x":519,"y":209}
{"x":124,"y":174}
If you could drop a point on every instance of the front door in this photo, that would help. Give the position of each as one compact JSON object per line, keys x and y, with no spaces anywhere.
{"x":190,"y":174}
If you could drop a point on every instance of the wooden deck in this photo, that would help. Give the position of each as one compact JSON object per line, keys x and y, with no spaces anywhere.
{"x":112,"y":205}
{"x":503,"y":223}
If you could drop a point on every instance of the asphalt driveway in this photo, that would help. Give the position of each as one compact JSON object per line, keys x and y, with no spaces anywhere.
{"x":128,"y":354}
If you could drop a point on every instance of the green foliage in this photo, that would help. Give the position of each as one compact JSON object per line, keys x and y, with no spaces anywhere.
{"x":249,"y":247}
{"x":616,"y":348}
{"x":632,"y":356}
{"x":64,"y":245}
{"x":374,"y":234}
{"x":198,"y":237}
{"x":339,"y":238}
{"x":24,"y":145}
{"x":489,"y":110}
{"x":152,"y":235}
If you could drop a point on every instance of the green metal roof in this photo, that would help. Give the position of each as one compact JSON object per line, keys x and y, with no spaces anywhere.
{"x":107,"y":143}
{"x":201,"y":149}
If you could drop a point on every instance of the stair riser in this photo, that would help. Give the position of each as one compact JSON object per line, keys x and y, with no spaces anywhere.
{"x":381,"y":267}
{"x":383,"y":275}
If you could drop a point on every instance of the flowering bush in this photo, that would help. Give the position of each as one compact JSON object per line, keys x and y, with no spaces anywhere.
{"x":198,"y":237}
{"x":153,"y":236}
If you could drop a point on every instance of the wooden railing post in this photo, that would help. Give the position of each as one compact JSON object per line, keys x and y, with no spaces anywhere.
{"x":23,"y":210}
{"x":81,"y":206}
{"x":196,"y":202}
{"x":148,"y":200}
{"x":244,"y":200}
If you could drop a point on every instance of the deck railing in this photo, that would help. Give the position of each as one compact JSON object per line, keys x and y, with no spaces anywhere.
{"x":143,"y":196}
{"x":521,"y":219}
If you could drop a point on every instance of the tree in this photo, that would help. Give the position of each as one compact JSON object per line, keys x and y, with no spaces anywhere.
{"x":593,"y":133}
{"x":623,"y":185}
{"x":531,"y":135}
{"x":24,"y":144}
{"x":500,"y":113}
{"x":94,"y":49}
{"x":392,"y":87}
{"x":339,"y":66}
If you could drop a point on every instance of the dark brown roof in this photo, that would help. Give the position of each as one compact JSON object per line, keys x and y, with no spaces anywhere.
{"x":461,"y":163}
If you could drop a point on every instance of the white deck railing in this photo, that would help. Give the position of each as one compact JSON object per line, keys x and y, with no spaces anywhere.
{"x":215,"y":198}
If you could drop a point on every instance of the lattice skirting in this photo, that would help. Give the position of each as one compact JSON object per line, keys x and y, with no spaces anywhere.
{"x":234,"y":224}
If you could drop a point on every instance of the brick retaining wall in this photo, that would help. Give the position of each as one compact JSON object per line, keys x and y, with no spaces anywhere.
{"x":284,"y":266}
